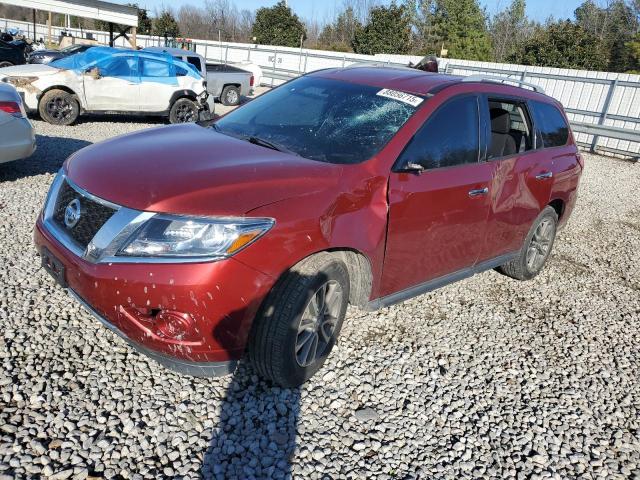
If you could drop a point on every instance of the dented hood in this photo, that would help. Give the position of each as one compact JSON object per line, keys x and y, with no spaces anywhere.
{"x":28,"y":70}
{"x":190,"y":170}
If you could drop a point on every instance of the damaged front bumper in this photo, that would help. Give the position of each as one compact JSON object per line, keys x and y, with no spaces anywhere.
{"x":192,"y":318}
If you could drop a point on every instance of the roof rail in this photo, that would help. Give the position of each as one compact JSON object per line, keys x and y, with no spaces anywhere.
{"x":496,"y":79}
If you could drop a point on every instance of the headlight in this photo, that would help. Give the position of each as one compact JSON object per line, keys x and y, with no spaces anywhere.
{"x":186,"y":237}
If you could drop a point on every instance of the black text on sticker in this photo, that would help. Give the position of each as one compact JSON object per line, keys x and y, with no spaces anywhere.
{"x":400,"y":96}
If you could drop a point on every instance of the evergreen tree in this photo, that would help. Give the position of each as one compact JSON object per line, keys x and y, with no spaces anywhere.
{"x":562,"y":45}
{"x":278,"y":25}
{"x":387,"y":31}
{"x":421,"y":14}
{"x":340,"y":34}
{"x":634,"y":51}
{"x":461,"y":26}
{"x":166,"y":25}
{"x":614,"y":26}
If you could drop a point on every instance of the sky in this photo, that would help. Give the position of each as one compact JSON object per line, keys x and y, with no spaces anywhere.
{"x":308,"y":9}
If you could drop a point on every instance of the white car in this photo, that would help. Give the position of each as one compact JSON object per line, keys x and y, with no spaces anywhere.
{"x":17,"y":138}
{"x":110,"y":80}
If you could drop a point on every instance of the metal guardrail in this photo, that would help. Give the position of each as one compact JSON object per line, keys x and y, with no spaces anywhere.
{"x":606,"y":131}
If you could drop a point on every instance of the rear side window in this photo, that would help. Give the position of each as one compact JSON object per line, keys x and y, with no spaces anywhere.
{"x":551,"y":125}
{"x":449,"y":137}
{"x":195,"y":61}
{"x":119,"y":67}
{"x":154,"y":68}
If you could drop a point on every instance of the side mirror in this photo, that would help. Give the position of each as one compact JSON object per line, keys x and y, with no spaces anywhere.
{"x":94,"y":72}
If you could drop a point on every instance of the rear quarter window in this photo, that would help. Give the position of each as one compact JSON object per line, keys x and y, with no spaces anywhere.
{"x":552,"y":127}
{"x":195,"y":61}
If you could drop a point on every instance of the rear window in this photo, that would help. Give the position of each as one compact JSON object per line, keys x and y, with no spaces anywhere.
{"x":551,"y":125}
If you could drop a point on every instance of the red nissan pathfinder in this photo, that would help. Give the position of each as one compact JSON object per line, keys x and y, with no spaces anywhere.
{"x":362,"y":185}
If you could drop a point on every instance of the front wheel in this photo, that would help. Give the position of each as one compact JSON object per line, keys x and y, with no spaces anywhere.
{"x":6,"y":64}
{"x":536,"y":249}
{"x":300,"y":321}
{"x":184,"y":110}
{"x":59,"y":107}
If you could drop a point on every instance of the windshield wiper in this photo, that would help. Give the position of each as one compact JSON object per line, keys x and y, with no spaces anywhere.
{"x":263,"y":143}
{"x":267,"y":144}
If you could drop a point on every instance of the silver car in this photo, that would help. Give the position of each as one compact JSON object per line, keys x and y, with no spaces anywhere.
{"x":17,"y":138}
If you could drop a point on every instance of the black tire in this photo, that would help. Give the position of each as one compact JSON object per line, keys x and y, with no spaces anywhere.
{"x":58,"y":107}
{"x":274,"y":345}
{"x":230,"y":95}
{"x":6,"y":64}
{"x":522,"y":267}
{"x":184,"y":110}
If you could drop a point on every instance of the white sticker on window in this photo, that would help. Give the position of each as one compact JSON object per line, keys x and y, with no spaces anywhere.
{"x":400,"y":96}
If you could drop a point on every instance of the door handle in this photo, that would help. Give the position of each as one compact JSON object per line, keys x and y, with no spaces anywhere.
{"x":544,"y":176}
{"x":478,"y":191}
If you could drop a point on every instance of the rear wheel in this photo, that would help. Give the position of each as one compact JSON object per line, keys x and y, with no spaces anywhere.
{"x":59,"y":107}
{"x":6,"y":64}
{"x":300,"y":321}
{"x":230,"y":95}
{"x":184,"y":110}
{"x":536,"y":249}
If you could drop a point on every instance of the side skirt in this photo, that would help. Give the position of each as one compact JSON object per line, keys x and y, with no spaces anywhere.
{"x":439,"y":282}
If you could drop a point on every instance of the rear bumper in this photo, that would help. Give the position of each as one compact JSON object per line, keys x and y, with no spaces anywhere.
{"x":17,"y":140}
{"x":220,"y":298}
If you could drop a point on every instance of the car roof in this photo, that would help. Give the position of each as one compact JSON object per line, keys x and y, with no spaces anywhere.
{"x":415,"y":81}
{"x":172,"y":51}
{"x":397,"y":78}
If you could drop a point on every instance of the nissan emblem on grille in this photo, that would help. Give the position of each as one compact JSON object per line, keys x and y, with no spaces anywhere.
{"x":72,"y":213}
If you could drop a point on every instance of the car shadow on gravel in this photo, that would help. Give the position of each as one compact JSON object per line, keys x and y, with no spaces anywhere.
{"x":49,"y":156}
{"x":256,"y":432}
{"x":118,"y":118}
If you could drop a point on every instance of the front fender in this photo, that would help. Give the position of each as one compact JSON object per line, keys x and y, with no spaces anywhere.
{"x":353,"y":219}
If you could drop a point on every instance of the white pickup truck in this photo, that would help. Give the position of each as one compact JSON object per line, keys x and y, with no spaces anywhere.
{"x":226,"y":82}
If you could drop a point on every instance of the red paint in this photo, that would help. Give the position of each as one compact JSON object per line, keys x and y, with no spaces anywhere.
{"x":412,"y":228}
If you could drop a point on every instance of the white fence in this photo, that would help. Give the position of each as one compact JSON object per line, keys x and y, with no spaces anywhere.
{"x":604,"y":108}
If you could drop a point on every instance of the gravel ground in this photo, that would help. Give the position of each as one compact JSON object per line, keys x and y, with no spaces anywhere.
{"x":487,"y":378}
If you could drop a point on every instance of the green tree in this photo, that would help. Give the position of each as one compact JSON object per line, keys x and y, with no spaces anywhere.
{"x":634,"y":50}
{"x":461,"y":26}
{"x":278,"y":25}
{"x":166,"y":25}
{"x":423,"y":36}
{"x":339,"y":35}
{"x":562,"y":45}
{"x":614,"y":26}
{"x":508,"y":30}
{"x":387,"y":31}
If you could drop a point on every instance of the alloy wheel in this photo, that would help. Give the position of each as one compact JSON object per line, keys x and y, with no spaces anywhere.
{"x":185,"y":113}
{"x":318,"y":323}
{"x":59,"y":108}
{"x":540,"y":245}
